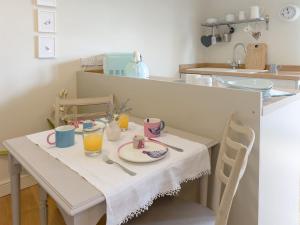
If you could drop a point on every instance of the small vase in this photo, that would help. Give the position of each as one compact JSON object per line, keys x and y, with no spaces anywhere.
{"x":113,"y":131}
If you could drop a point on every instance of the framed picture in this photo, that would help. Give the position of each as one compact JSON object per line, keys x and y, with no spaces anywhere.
{"x":46,"y":21}
{"x":46,"y":47}
{"x":48,"y":3}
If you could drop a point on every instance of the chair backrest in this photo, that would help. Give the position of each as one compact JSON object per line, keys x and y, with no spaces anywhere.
{"x":231,"y":165}
{"x":67,"y":109}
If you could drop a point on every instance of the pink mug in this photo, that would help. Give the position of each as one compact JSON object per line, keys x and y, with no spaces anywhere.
{"x":153,"y":127}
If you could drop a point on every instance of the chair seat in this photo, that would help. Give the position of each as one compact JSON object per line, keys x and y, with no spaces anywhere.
{"x":173,"y":211}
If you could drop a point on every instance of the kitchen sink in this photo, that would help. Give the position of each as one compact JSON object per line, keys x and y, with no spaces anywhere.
{"x":228,"y":70}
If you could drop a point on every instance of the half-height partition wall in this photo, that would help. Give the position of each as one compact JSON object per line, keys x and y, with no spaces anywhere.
{"x":196,"y":109}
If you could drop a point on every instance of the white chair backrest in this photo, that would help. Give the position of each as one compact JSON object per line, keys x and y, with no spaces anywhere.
{"x":231,"y":165}
{"x":63,"y":107}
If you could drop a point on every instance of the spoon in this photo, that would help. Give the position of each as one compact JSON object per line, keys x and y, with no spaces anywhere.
{"x":109,"y":161}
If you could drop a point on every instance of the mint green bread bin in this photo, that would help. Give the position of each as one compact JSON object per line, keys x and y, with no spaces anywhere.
{"x":115,"y":63}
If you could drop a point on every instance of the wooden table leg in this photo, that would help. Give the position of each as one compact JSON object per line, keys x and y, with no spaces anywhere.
{"x":43,"y":207}
{"x":204,"y":187}
{"x":15,"y":170}
{"x":203,"y":190}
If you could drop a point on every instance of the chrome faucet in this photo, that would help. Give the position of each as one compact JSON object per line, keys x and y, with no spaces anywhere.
{"x":237,"y":62}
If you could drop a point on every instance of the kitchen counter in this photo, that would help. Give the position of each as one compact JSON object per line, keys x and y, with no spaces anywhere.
{"x":269,"y":105}
{"x":288,"y":72}
{"x":291,"y":73}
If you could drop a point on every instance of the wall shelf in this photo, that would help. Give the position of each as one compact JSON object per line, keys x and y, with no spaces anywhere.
{"x":265,"y":19}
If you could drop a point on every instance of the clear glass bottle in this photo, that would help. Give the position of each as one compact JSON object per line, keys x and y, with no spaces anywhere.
{"x":113,"y":131}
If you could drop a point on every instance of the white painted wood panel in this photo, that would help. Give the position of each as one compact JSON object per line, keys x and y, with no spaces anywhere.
{"x":196,"y":109}
{"x":279,"y":180}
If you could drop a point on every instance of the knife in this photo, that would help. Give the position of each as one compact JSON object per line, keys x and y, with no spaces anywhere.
{"x":170,"y":146}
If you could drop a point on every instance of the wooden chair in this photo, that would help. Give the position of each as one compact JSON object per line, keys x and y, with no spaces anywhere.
{"x":67,"y":109}
{"x":229,"y":171}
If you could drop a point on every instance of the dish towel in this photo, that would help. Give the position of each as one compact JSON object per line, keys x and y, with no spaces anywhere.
{"x":128,"y":196}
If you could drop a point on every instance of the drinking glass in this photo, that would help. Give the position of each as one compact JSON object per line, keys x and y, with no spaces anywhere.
{"x":123,"y":122}
{"x":93,"y":141}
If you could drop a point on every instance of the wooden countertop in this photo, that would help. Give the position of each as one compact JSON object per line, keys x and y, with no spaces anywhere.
{"x":275,"y":103}
{"x":287,"y":73}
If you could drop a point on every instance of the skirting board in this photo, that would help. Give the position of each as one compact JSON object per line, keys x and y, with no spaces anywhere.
{"x":26,"y":181}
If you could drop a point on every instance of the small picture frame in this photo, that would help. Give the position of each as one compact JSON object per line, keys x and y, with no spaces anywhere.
{"x":47,"y":3}
{"x":46,"y":21}
{"x":46,"y":47}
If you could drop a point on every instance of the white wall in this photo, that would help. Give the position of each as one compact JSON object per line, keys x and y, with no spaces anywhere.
{"x":280,"y":167}
{"x":282,"y":38}
{"x":166,"y":32}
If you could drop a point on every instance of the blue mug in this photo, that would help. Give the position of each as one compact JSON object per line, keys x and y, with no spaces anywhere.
{"x":64,"y":137}
{"x":88,"y":124}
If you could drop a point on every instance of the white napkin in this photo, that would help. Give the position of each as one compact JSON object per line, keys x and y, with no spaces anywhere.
{"x":153,"y":180}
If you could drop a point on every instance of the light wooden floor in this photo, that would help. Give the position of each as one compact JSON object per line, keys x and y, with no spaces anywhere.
{"x":30,"y":209}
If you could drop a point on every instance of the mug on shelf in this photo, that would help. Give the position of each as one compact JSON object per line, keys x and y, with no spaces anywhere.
{"x":153,"y":127}
{"x":230,"y":18}
{"x":64,"y":136}
{"x":242,"y":15}
{"x":255,"y":12}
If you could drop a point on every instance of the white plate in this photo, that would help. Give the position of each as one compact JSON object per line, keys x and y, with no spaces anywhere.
{"x":98,"y":124}
{"x":128,"y":153}
{"x":255,"y":84}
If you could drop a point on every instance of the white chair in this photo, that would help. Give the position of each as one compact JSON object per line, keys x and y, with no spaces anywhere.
{"x":231,"y":165}
{"x":67,"y":109}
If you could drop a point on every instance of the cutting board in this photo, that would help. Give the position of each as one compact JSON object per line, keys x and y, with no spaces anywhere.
{"x":256,"y":57}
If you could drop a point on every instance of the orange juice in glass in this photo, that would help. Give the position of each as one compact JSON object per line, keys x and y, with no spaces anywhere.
{"x":123,"y":122}
{"x":93,"y":141}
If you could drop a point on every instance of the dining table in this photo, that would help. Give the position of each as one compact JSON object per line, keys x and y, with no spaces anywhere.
{"x":79,"y":202}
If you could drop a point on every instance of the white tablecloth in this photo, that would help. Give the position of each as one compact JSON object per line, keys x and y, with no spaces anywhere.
{"x":128,"y":196}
